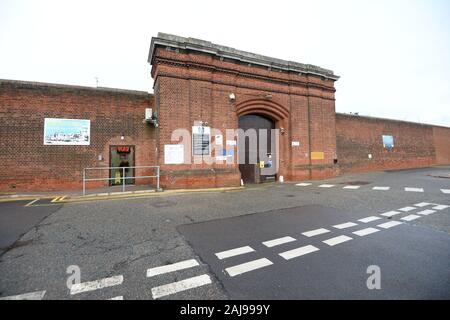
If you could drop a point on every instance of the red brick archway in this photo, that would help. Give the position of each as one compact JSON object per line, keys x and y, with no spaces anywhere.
{"x":264,"y":107}
{"x":279,"y":115}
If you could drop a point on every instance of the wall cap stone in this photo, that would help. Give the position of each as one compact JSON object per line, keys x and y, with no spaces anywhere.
{"x":198,"y":45}
{"x":33,"y":84}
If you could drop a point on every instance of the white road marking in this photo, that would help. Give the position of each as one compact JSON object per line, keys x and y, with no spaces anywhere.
{"x":369,"y":219}
{"x":345,"y":225}
{"x":117,"y":298}
{"x":179,"y":286}
{"x":95,"y":285}
{"x":390,"y":224}
{"x":248,"y":266}
{"x":446,"y":191}
{"x":337,"y":240}
{"x":441,"y":207}
{"x":30,"y":203}
{"x":352,"y":187}
{"x":390,"y":213}
{"x":407,"y":209}
{"x":365,"y":232}
{"x":172,"y":267}
{"x":426,"y":212}
{"x":422,"y":204}
{"x":234,"y":252}
{"x":381,"y":188}
{"x":316,"y":232}
{"x":291,"y":254}
{"x":303,"y":184}
{"x":411,"y":217}
{"x":326,"y":186}
{"x":38,"y":295}
{"x":277,"y":242}
{"x":413,"y":189}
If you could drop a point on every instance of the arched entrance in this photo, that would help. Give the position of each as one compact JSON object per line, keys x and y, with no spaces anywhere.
{"x":257,"y":148}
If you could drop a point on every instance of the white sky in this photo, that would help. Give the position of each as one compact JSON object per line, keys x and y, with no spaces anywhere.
{"x":393,"y":56}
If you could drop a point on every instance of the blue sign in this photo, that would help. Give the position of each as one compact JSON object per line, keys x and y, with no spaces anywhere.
{"x":388,"y":142}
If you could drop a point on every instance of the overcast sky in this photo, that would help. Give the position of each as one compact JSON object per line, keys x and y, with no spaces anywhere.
{"x":393,"y":56}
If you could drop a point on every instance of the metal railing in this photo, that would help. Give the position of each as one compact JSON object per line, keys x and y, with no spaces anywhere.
{"x":123,"y":177}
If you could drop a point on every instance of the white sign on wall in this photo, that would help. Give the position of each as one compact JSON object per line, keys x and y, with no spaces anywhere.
{"x":173,"y":154}
{"x":69,"y":132}
{"x":219,"y":139}
{"x":201,"y":140}
{"x":295,"y":143}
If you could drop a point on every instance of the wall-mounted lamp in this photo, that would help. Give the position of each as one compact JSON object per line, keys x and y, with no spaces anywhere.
{"x":282,"y":130}
{"x":232,"y":97}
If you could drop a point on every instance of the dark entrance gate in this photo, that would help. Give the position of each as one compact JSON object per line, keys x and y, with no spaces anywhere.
{"x":254,"y":170}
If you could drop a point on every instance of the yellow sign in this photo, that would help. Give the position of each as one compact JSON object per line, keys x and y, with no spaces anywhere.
{"x":261,"y":164}
{"x":317,"y":156}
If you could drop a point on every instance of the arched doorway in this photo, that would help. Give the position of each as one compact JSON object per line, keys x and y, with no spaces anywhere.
{"x":257,"y":148}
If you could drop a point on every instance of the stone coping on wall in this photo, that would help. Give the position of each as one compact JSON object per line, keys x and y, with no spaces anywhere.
{"x":202,"y":46}
{"x":33,"y":84}
{"x":370,"y":118}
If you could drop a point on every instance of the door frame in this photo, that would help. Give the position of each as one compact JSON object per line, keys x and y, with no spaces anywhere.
{"x":110,"y":161}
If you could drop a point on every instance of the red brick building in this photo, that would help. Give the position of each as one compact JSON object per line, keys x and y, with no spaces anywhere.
{"x":202,"y":86}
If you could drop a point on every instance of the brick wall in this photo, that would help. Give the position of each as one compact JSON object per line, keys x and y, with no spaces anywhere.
{"x":442,"y":144}
{"x":28,"y":164}
{"x":192,"y":87}
{"x":415,"y":145}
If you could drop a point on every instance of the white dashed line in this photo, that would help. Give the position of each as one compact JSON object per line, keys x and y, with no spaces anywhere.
{"x":337,"y":240}
{"x":316,"y":232}
{"x":365,"y":232}
{"x":422,"y":204}
{"x":381,"y":188}
{"x":345,"y":225}
{"x":411,"y":217}
{"x":234,"y":252}
{"x":117,"y":298}
{"x":352,"y":187}
{"x":446,"y":191}
{"x":38,"y":295}
{"x":303,"y":184}
{"x":291,"y":254}
{"x":248,"y":266}
{"x":413,"y":189}
{"x":95,"y":285}
{"x":179,"y":286}
{"x":407,"y":209}
{"x":390,"y":214}
{"x":277,"y":242}
{"x":390,"y":224}
{"x":441,"y":207}
{"x":369,"y":219}
{"x":326,"y":186}
{"x":426,"y":212}
{"x":172,"y":267}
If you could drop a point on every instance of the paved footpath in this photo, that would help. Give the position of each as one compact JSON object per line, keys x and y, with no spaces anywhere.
{"x":308,"y":240}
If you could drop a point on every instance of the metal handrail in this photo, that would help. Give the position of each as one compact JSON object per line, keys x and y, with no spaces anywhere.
{"x":157,"y":176}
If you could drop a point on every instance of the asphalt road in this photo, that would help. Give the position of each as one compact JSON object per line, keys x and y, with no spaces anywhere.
{"x":116,"y":242}
{"x":16,"y":219}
